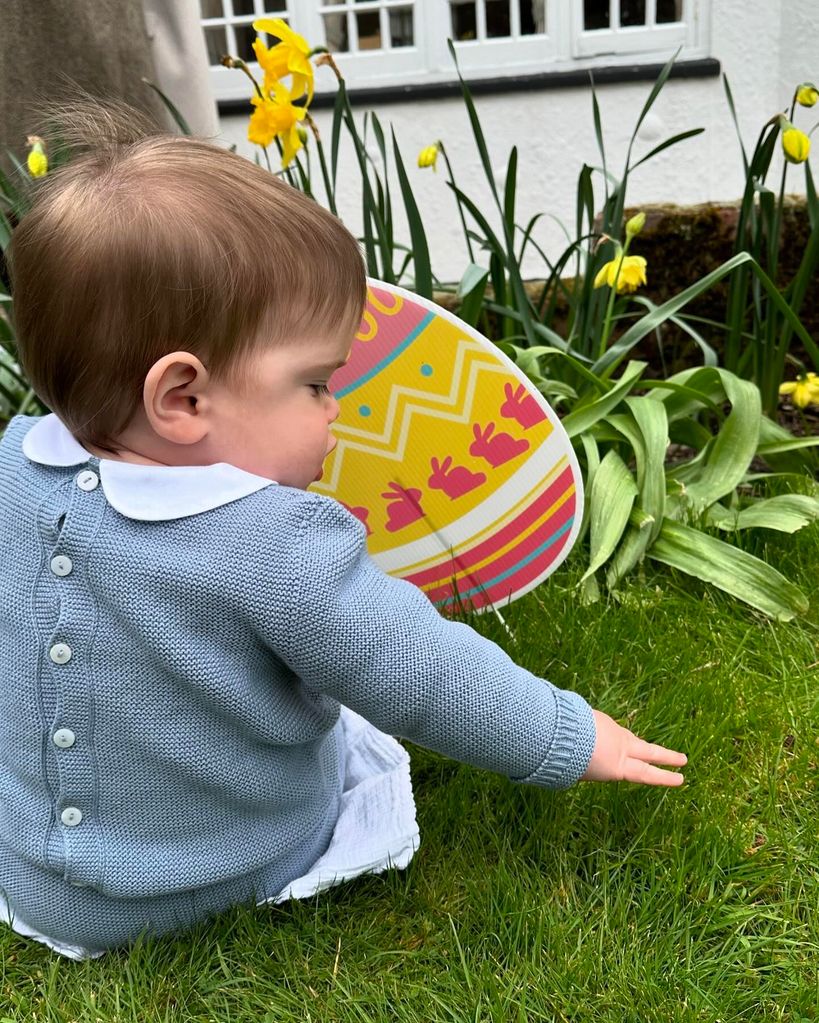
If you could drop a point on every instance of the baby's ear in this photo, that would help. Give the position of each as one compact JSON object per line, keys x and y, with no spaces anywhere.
{"x":176,"y":399}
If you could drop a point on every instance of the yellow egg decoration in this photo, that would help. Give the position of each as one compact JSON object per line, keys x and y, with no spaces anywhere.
{"x":461,"y":472}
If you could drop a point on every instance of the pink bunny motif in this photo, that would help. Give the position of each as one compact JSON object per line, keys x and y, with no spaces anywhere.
{"x":454,"y":483}
{"x":404,"y":509}
{"x":362,"y":514}
{"x":525,"y":410}
{"x":498,"y":449}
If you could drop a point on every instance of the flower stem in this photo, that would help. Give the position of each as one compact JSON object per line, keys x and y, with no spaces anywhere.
{"x":604,"y":337}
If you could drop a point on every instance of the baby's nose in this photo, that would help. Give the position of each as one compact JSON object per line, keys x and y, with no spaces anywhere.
{"x":335,"y":409}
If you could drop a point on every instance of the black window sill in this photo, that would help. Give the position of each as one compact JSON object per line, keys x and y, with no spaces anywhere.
{"x":705,"y":67}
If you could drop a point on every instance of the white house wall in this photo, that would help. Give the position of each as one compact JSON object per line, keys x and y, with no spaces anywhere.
{"x":765,"y":50}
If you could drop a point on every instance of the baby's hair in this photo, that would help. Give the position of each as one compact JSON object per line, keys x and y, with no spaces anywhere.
{"x":145,"y":243}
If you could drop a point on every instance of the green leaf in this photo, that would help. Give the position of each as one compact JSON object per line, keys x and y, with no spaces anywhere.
{"x":610,"y":498}
{"x":471,"y":290}
{"x":581,"y":419}
{"x":651,"y":419}
{"x":734,"y":446}
{"x":668,"y":142}
{"x":418,"y":237}
{"x":475,"y":123}
{"x":180,"y":120}
{"x":509,"y":190}
{"x":786,"y":513}
{"x":736,"y":122}
{"x":728,"y":568}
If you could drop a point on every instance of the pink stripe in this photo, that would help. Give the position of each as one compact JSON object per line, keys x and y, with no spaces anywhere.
{"x":506,"y":535}
{"x":500,"y":594}
{"x":508,"y":561}
{"x":391,"y":332}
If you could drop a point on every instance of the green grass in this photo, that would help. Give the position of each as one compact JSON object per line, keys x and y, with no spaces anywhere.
{"x":603,"y":903}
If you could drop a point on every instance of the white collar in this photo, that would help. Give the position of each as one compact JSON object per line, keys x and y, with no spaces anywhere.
{"x":151,"y":493}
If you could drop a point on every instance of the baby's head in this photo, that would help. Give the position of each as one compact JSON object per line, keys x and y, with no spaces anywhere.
{"x":177,"y":304}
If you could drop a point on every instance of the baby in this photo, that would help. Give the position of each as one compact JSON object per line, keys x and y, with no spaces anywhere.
{"x":202,"y":668}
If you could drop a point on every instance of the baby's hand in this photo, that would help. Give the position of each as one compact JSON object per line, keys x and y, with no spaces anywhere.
{"x":620,"y":756}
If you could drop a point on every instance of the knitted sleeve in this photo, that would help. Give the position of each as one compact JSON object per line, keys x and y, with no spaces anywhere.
{"x":377,"y":645}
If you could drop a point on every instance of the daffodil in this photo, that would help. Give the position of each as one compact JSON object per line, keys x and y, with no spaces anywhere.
{"x":276,"y":115}
{"x":37,"y":161}
{"x":795,"y":145}
{"x":632,"y":273}
{"x":290,"y":56}
{"x":428,"y":156}
{"x":807,"y":94}
{"x":805,"y":390}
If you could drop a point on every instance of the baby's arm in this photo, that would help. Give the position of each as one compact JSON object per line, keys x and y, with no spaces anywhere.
{"x":378,"y":646}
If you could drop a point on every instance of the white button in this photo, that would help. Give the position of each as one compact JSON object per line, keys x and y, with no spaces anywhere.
{"x":64,"y":738}
{"x":87,"y":480}
{"x":71,"y":816}
{"x":60,"y":653}
{"x":61,"y":564}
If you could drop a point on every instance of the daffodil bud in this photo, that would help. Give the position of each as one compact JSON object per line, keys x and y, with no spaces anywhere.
{"x":795,"y":145}
{"x":807,"y":94}
{"x":301,"y":131}
{"x":428,"y":156}
{"x":635,"y":224}
{"x":37,"y":161}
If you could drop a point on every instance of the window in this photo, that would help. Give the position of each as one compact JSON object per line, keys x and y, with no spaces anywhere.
{"x":404,"y":42}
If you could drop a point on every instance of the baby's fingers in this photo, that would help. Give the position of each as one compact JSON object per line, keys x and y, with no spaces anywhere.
{"x":645,"y":774}
{"x":654,"y":754}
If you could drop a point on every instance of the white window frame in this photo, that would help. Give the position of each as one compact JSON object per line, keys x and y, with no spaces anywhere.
{"x":565,"y":45}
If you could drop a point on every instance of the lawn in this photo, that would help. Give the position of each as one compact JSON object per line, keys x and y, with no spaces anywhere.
{"x":602,"y":903}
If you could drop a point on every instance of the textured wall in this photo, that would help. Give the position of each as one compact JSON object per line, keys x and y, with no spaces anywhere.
{"x":765,"y":49}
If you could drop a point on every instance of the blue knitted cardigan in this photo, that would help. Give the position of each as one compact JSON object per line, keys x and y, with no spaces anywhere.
{"x":197,"y":664}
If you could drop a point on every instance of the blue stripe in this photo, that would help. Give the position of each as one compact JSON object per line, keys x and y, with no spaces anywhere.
{"x":344,"y":391}
{"x":510,"y":571}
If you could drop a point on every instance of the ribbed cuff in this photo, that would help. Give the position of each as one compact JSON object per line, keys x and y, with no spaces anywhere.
{"x":571,"y":751}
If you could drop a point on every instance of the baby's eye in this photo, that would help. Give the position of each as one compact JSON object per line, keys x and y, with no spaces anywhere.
{"x":320,"y":389}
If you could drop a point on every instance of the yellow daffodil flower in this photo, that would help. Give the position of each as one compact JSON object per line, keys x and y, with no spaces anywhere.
{"x":428,"y":156}
{"x":635,"y":224}
{"x":287,"y":57}
{"x":274,"y":116}
{"x":795,"y":145}
{"x":632,"y":274}
{"x":805,"y":390}
{"x":37,"y":161}
{"x":807,"y":94}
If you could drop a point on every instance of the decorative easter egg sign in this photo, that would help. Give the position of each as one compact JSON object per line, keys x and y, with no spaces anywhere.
{"x":459,"y":469}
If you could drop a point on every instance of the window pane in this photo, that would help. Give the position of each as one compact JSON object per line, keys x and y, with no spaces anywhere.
{"x":596,"y":14}
{"x":632,"y":12}
{"x":211,"y":8}
{"x":217,"y":44}
{"x":669,"y":10}
{"x":401,"y":27}
{"x":463,"y":21}
{"x":369,"y":31}
{"x":245,"y":37}
{"x":241,"y":7}
{"x":274,"y":6}
{"x":497,"y":18}
{"x":532,"y":17}
{"x":335,"y":33}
